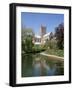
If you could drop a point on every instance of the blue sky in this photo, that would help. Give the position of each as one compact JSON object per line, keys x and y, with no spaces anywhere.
{"x":35,"y":20}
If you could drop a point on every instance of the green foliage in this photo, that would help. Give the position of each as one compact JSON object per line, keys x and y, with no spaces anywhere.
{"x":56,"y":52}
{"x":23,"y":46}
{"x":29,"y":47}
{"x":27,"y":44}
{"x":26,"y":32}
{"x":59,"y":34}
{"x":27,"y":36}
{"x":38,"y":48}
{"x":53,"y":49}
{"x":52,"y":44}
{"x":60,"y":44}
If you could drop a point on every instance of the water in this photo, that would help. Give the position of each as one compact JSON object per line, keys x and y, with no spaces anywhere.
{"x":39,"y":65}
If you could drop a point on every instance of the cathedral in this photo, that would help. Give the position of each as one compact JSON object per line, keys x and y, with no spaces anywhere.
{"x":41,"y":39}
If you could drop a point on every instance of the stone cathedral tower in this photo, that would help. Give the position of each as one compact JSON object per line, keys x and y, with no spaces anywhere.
{"x":43,"y":32}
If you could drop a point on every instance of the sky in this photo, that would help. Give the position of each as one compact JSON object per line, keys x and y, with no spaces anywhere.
{"x":35,"y":20}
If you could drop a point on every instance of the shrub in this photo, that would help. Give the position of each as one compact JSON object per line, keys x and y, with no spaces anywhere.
{"x":52,"y":44}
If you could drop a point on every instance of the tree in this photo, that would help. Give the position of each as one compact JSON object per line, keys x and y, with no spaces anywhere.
{"x":51,"y":36}
{"x":28,"y":44}
{"x":27,"y":37}
{"x":26,"y":32}
{"x":59,"y":34}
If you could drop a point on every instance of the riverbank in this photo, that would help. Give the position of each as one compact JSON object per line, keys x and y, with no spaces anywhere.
{"x":53,"y":57}
{"x":56,"y":52}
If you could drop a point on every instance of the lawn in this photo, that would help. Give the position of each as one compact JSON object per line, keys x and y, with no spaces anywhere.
{"x":56,"y":52}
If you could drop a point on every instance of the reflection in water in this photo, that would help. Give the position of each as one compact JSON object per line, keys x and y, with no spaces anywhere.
{"x":39,"y":65}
